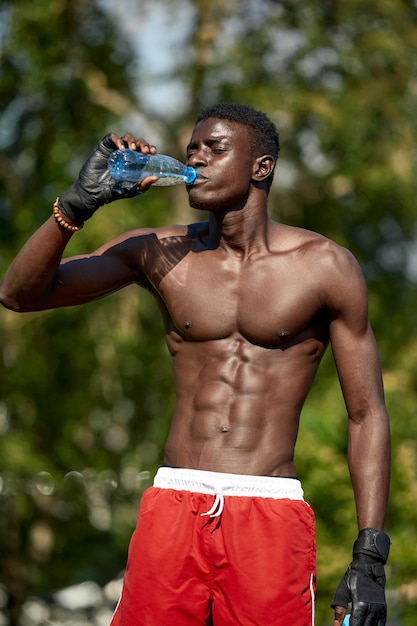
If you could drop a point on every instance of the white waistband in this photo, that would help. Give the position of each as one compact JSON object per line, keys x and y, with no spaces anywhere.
{"x":200,"y":481}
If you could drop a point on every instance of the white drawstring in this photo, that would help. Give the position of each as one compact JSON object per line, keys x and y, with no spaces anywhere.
{"x":218,"y":504}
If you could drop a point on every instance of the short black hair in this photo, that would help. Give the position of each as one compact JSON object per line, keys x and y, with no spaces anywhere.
{"x":264,"y":135}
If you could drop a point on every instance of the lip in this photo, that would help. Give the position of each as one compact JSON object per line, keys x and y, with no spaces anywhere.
{"x":198,"y":181}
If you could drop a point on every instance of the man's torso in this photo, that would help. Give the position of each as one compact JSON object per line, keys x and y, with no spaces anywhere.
{"x":246,"y":336}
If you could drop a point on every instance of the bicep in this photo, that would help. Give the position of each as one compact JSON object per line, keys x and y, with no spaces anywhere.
{"x":353,"y":344}
{"x":82,"y":279}
{"x":359,"y":370}
{"x":85,"y":279}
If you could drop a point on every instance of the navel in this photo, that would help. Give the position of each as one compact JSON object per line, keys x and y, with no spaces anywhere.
{"x":225,"y":429}
{"x":188,"y":324}
{"x":283,"y":333}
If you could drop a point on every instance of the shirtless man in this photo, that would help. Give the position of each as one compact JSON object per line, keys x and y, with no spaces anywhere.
{"x":224,"y":535}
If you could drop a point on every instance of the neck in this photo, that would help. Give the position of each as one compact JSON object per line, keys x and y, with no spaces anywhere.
{"x":243,"y":231}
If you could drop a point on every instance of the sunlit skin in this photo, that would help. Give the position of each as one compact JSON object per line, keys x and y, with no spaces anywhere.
{"x":249,"y":306}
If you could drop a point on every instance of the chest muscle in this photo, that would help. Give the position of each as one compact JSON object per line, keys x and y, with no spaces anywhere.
{"x":262,"y":301}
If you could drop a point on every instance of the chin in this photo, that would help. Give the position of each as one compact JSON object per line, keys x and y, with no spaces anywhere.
{"x":196,"y":204}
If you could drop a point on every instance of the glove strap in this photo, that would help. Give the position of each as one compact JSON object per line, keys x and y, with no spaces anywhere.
{"x":372,"y":542}
{"x":77,"y":204}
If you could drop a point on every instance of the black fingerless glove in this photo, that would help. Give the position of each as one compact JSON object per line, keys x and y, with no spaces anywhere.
{"x":364,"y":581}
{"x":94,"y":186}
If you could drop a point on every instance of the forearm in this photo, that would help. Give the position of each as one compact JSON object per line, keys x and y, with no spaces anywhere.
{"x":363,"y":584}
{"x":32,"y":274}
{"x":369,"y":465}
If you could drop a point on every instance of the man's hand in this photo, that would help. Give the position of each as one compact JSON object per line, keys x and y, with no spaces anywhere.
{"x":95,"y":187}
{"x":363,"y":584}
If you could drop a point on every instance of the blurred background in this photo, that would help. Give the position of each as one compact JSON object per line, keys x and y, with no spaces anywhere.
{"x":86,"y":393}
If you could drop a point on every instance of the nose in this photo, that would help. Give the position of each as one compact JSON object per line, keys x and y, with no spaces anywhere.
{"x":196,"y":158}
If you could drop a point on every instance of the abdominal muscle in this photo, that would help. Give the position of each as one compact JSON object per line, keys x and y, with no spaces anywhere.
{"x":238,"y":405}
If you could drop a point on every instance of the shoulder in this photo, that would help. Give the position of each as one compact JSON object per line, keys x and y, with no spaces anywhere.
{"x":314,"y":247}
{"x":332,"y":268}
{"x":151,"y":253}
{"x":131,"y":242}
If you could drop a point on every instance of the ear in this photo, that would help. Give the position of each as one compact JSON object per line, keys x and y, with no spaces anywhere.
{"x":262,"y":167}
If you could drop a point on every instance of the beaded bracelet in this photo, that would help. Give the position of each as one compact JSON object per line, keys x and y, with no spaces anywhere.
{"x":61,"y":221}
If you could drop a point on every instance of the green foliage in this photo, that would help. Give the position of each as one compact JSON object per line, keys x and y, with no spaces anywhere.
{"x":86,"y":393}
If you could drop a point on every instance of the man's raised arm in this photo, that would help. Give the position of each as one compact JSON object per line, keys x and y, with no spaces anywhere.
{"x":31,"y":281}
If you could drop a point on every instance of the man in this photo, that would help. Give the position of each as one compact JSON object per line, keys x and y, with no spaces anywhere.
{"x":224,"y":535}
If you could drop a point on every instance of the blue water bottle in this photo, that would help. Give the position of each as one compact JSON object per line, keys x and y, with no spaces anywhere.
{"x":346,"y":621}
{"x":132,"y":166}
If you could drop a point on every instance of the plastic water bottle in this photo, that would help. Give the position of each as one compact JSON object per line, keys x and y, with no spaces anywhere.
{"x":346,"y":621}
{"x":132,"y":166}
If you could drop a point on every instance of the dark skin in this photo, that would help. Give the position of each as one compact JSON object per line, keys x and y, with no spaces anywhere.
{"x":249,"y":307}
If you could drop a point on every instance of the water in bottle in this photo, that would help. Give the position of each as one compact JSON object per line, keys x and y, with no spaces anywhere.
{"x":132,"y":166}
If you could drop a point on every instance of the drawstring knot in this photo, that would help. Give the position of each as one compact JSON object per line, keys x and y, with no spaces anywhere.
{"x":218,"y":505}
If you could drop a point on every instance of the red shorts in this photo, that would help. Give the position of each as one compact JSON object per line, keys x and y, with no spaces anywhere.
{"x":222,"y":550}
